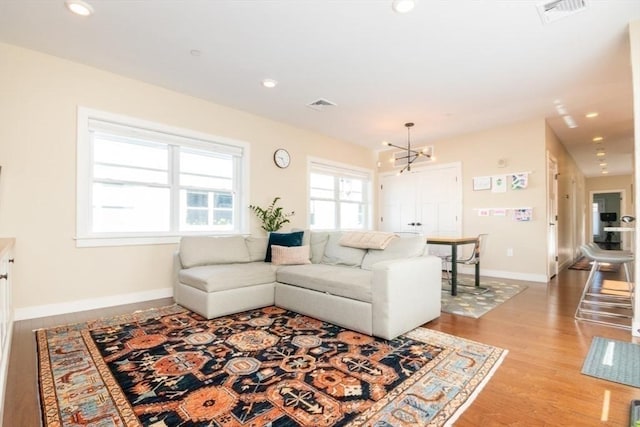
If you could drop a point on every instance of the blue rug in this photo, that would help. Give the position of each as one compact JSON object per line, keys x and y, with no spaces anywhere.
{"x":471,"y":304}
{"x":613,"y":360}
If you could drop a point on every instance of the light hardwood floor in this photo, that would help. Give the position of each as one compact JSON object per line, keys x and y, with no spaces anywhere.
{"x":538,"y":384}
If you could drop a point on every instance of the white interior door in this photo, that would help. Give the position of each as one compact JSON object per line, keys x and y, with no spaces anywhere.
{"x":399,"y":203}
{"x":427,"y":201}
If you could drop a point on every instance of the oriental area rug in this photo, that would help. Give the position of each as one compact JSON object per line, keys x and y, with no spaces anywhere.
{"x":268,"y":367}
{"x":471,"y":303}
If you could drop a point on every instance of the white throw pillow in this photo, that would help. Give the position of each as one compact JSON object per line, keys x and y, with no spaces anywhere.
{"x":290,"y":255}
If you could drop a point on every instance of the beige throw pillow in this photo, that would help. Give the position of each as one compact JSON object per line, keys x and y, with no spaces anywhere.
{"x":289,"y":255}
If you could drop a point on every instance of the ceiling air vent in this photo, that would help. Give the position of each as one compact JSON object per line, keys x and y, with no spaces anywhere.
{"x":321,"y":104}
{"x":551,"y":11}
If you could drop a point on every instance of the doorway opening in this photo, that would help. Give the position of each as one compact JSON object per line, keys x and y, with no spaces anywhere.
{"x":606,"y":211}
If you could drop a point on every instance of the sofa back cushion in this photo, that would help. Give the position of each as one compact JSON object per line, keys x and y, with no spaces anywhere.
{"x":257,"y":247}
{"x":318,"y":241}
{"x":204,"y":250}
{"x":336,"y":254}
{"x":404,"y":247}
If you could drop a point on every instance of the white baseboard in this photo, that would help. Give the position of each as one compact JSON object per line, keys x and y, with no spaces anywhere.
{"x":89,"y":304}
{"x":505,"y":274}
{"x":635,"y":328}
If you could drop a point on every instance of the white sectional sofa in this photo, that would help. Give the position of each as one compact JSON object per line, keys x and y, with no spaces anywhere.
{"x":377,"y":292}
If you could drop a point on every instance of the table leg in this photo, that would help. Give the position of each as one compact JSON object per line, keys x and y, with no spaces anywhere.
{"x":454,"y":270}
{"x":478,"y":273}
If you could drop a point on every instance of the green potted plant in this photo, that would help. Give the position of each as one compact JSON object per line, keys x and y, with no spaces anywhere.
{"x":272,"y":218}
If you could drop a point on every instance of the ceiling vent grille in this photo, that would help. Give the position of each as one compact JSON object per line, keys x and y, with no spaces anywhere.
{"x":321,"y":104}
{"x":551,"y":11}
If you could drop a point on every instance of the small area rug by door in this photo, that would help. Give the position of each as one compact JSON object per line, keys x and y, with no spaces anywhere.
{"x":266,"y":367}
{"x":471,"y":304}
{"x":613,"y":360}
{"x":585,"y":264}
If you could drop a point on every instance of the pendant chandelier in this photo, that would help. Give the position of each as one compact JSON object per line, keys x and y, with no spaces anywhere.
{"x":412,"y":155}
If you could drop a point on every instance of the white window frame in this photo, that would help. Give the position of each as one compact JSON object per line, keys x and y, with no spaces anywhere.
{"x":345,"y":170}
{"x":163,"y":133}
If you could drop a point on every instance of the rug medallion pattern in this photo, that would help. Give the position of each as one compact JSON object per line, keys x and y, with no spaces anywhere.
{"x":267,"y":367}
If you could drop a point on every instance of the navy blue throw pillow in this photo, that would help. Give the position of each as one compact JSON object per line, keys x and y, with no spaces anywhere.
{"x":283,"y":239}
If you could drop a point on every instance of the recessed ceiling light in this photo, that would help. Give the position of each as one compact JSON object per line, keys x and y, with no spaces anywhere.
{"x":600,"y":154}
{"x":79,"y":7}
{"x":603,"y":164}
{"x":605,"y":172}
{"x":597,"y":139}
{"x":591,"y":115}
{"x":403,"y":6}
{"x":570,"y":122}
{"x":269,"y":83}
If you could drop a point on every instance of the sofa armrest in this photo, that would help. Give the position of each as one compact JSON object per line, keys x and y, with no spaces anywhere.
{"x":406,"y":293}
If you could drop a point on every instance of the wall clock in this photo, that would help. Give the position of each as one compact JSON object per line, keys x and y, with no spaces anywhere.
{"x":281,"y":158}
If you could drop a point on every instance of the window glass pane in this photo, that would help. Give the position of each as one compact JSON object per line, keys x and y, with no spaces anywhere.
{"x":130,"y":161}
{"x":123,"y":173}
{"x":213,"y":211}
{"x":223,"y":200}
{"x":323,"y":215}
{"x":351,"y":216}
{"x":351,"y":189}
{"x":222,"y":217}
{"x":322,"y":186}
{"x":199,"y":168}
{"x":129,"y":208}
{"x":197,"y":216}
{"x":197,"y":199}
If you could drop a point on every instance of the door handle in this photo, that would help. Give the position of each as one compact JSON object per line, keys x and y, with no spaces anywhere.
{"x":412,"y":223}
{"x":418,"y":224}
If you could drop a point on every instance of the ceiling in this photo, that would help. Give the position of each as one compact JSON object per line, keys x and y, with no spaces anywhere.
{"x":450,"y":67}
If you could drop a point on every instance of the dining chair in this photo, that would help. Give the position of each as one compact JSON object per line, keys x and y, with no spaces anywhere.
{"x":472,"y":259}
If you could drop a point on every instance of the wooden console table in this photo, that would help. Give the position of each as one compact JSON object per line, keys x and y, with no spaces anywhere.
{"x":454,"y":242}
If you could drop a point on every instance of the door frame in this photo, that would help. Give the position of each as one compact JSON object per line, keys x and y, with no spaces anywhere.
{"x":552,"y":216}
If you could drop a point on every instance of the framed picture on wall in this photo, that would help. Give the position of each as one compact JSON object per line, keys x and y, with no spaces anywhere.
{"x":481,"y":183}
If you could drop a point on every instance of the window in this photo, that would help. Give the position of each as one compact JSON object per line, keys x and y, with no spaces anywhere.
{"x":141,"y":182}
{"x":339,"y":197}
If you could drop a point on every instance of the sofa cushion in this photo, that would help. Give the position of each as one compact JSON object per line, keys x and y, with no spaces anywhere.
{"x":203,"y":250}
{"x":353,"y":283}
{"x":283,"y":239}
{"x":318,"y":242}
{"x":404,"y":247}
{"x":336,"y":254}
{"x":290,"y":255}
{"x":257,"y":247}
{"x":212,"y":278}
